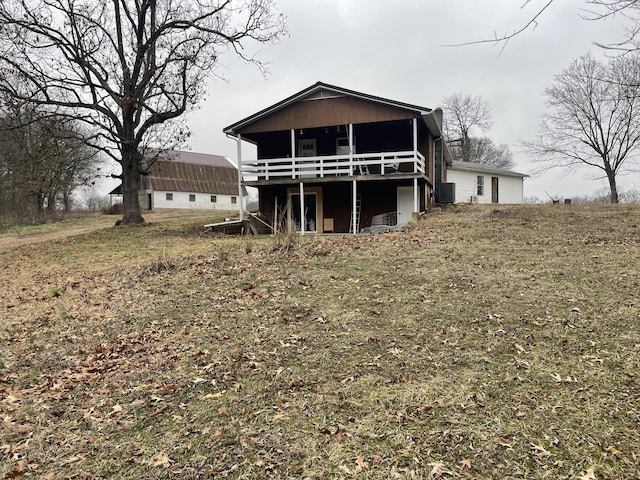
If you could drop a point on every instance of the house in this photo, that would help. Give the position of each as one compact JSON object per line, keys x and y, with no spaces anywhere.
{"x":178,"y":179}
{"x":481,"y":183}
{"x":336,"y":160}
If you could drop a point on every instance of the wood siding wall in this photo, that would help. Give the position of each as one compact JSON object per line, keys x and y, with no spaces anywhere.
{"x":324,"y":112}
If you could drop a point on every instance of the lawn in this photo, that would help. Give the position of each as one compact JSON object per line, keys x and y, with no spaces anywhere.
{"x":483,"y":342}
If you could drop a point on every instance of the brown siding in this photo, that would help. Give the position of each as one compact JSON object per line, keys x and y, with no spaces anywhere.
{"x":328,"y":111}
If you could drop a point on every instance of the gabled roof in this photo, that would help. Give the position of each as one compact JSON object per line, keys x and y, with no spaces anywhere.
{"x":484,"y":168}
{"x":318,"y":91}
{"x":194,"y":158}
{"x":176,"y":171}
{"x":179,"y":171}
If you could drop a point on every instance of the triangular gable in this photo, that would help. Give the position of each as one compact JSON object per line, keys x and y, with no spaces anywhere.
{"x":323,"y":91}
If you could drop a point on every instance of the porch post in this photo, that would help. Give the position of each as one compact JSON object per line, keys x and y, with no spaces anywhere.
{"x":351,"y":148}
{"x":354,"y":225}
{"x":293,"y":153}
{"x":240,"y":197}
{"x":415,"y":145}
{"x":416,"y":205}
{"x":302,"y":219}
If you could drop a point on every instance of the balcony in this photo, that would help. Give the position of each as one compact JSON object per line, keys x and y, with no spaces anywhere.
{"x":381,"y":164}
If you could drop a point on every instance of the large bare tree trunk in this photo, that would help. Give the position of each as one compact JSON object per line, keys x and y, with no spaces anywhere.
{"x":613,"y":187}
{"x":131,"y":213}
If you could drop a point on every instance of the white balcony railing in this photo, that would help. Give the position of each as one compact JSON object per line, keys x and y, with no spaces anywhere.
{"x":385,"y":163}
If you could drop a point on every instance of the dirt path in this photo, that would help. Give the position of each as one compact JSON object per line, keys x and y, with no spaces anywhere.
{"x":11,"y":241}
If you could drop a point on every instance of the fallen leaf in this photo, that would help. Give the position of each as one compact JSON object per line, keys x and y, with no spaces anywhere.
{"x":588,"y":475}
{"x":361,"y":464}
{"x":160,"y":460}
{"x":613,"y":451}
{"x":466,"y":463}
{"x":503,"y":443}
{"x":540,"y":451}
{"x":15,"y":474}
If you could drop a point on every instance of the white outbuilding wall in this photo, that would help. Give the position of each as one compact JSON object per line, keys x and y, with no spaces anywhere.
{"x":195,"y":200}
{"x":510,"y":184}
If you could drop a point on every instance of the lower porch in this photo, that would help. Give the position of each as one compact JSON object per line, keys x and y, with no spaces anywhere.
{"x":341,"y":207}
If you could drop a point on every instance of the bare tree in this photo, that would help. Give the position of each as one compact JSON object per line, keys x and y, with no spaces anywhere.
{"x":594,"y":10}
{"x":43,"y":160}
{"x":463,"y":113}
{"x":483,"y":150}
{"x":128,"y":69}
{"x":592,"y":119}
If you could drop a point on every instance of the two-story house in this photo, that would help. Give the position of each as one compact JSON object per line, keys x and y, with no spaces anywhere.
{"x":335,"y":160}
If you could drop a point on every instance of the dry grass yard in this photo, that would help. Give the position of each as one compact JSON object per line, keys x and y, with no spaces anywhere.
{"x":481,"y":343}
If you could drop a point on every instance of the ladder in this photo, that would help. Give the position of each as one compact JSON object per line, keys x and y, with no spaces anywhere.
{"x":364,"y":169}
{"x":358,"y":208}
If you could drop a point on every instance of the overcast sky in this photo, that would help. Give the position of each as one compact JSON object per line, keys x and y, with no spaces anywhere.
{"x":396,"y":50}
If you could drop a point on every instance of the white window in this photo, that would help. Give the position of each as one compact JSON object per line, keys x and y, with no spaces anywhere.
{"x":234,"y":200}
{"x":214,"y":199}
{"x":480,"y":185}
{"x":169,"y":197}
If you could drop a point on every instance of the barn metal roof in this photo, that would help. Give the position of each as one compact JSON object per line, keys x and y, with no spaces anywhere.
{"x":179,"y":171}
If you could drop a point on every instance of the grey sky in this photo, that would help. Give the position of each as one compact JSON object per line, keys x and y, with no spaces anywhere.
{"x":395,"y":50}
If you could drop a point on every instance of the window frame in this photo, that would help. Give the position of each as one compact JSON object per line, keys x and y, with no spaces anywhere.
{"x":480,"y":185}
{"x":168,"y":197}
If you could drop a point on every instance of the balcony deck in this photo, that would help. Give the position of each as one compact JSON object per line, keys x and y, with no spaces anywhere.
{"x":333,"y":167}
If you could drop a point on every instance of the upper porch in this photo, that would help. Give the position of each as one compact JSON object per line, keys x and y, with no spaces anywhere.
{"x":399,"y":164}
{"x":370,"y":151}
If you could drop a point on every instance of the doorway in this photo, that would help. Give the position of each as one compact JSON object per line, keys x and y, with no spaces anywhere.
{"x":404,"y":206}
{"x":310,"y":221}
{"x":307,"y":148}
{"x":494,"y":190}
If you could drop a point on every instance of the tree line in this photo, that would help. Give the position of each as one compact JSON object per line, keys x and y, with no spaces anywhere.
{"x":43,"y":159}
{"x":126,"y":70}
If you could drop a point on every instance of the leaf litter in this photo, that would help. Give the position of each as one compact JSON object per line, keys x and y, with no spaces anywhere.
{"x":433,"y":352}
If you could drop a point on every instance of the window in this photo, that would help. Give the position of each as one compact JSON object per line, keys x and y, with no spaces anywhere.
{"x":169,"y":197}
{"x":192,"y":197}
{"x":480,"y":185}
{"x":214,"y":199}
{"x":234,"y":200}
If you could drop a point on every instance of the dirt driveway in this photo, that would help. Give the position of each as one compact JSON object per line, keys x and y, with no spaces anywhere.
{"x":11,"y":241}
{"x":62,"y":231}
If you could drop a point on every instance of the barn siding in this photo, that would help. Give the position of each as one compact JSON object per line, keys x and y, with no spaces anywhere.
{"x":203,"y":201}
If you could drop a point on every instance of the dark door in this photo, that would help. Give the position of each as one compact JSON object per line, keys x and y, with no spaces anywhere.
{"x":494,"y":189}
{"x":149,"y":203}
